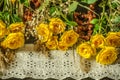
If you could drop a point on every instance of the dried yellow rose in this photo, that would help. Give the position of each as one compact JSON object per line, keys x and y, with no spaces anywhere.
{"x":62,"y":46}
{"x":17,"y":27}
{"x":13,"y":41}
{"x":69,"y":37}
{"x":107,"y":55}
{"x":86,"y":50}
{"x":98,"y":40}
{"x":113,"y":39}
{"x":52,"y":42}
{"x":3,"y":29}
{"x":56,"y":25}
{"x":43,"y":32}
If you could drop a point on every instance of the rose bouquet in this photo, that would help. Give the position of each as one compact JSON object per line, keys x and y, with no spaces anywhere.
{"x":11,"y":38}
{"x":91,"y":27}
{"x":104,"y":49}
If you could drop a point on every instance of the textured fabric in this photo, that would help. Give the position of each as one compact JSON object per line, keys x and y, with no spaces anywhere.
{"x":29,"y":63}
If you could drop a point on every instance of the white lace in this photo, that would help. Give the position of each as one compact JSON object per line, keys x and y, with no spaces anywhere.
{"x":29,"y":63}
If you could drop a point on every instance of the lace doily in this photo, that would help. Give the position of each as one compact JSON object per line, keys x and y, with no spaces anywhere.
{"x":29,"y":63}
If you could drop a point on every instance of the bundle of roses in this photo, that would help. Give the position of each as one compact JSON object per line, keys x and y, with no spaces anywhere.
{"x":11,"y":38}
{"x":104,"y":49}
{"x":54,"y":35}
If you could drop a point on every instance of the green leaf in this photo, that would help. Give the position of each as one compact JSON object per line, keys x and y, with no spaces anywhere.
{"x":73,"y":6}
{"x":22,"y":1}
{"x":52,"y":10}
{"x":26,"y":3}
{"x":44,"y":5}
{"x":89,"y":1}
{"x":64,"y":0}
{"x":70,"y":16}
{"x":16,"y":18}
{"x":71,"y":23}
{"x":7,"y":16}
{"x":1,"y":15}
{"x":96,"y":29}
{"x":94,"y":21}
{"x":115,"y":4}
{"x":116,"y":20}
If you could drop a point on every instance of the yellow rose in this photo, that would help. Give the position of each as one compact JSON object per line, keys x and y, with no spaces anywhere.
{"x":17,"y":27}
{"x":86,"y":50}
{"x":69,"y":38}
{"x":13,"y":41}
{"x":98,"y":40}
{"x":3,"y":29}
{"x":62,"y":46}
{"x":56,"y":25}
{"x":52,"y":42}
{"x":107,"y":55}
{"x":43,"y":32}
{"x":113,"y":39}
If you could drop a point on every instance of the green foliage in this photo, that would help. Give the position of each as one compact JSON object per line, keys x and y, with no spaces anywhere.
{"x":116,"y":20}
{"x":96,"y":24}
{"x":26,"y":3}
{"x":22,"y":1}
{"x":89,"y":1}
{"x":44,"y":5}
{"x":68,"y":22}
{"x":5,"y":16}
{"x":71,"y":23}
{"x":73,"y":6}
{"x":64,"y":0}
{"x":8,"y":18}
{"x":94,"y":21}
{"x":107,"y":20}
{"x":52,"y":10}
{"x":115,"y":4}
{"x":9,"y":13}
{"x":1,"y":2}
{"x":17,"y":18}
{"x":96,"y":29}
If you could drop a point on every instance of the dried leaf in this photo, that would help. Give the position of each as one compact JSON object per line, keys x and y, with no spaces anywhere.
{"x":10,"y":56}
{"x":38,"y":46}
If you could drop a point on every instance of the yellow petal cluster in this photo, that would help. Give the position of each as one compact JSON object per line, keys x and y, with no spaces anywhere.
{"x":113,"y":39}
{"x":56,"y":25}
{"x":13,"y":41}
{"x":17,"y":27}
{"x":103,"y":48}
{"x":3,"y":29}
{"x":69,"y":38}
{"x":52,"y":42}
{"x":108,"y":55}
{"x":98,"y":41}
{"x":54,"y":35}
{"x":62,"y":46}
{"x":43,"y":32}
{"x":86,"y":50}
